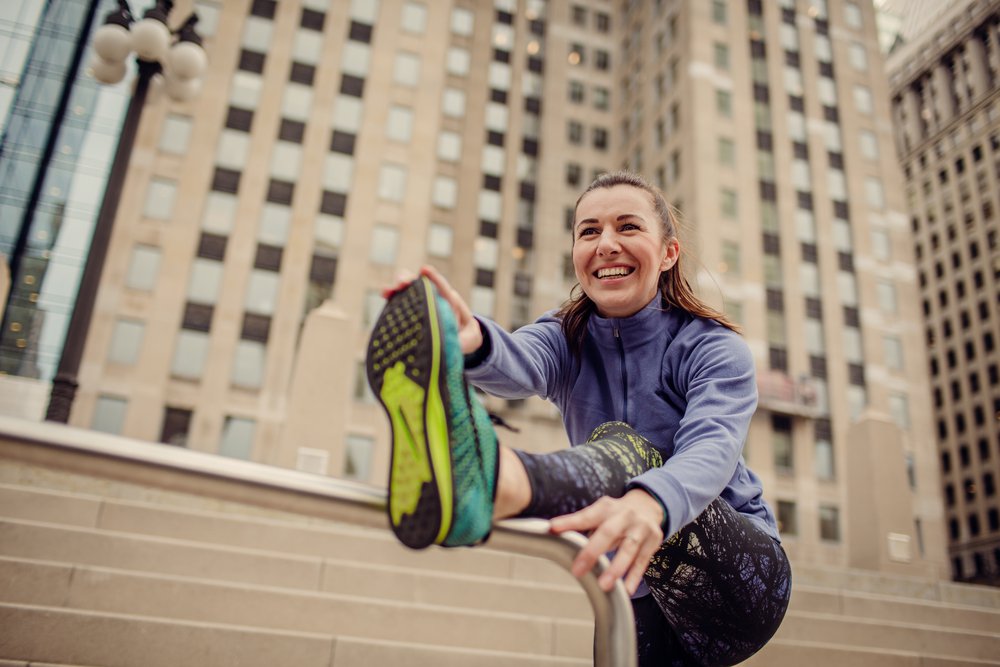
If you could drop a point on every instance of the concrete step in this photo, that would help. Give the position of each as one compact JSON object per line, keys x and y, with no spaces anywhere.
{"x":27,"y":539}
{"x":790,"y":653}
{"x":100,"y":589}
{"x":44,"y":634}
{"x":855,"y":604}
{"x":890,"y":635}
{"x":313,"y":538}
{"x":895,"y":585}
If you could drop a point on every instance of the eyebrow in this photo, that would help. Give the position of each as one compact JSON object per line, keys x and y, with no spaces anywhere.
{"x":620,"y":218}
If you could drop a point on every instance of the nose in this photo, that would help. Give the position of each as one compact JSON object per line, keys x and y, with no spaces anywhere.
{"x":608,"y":243}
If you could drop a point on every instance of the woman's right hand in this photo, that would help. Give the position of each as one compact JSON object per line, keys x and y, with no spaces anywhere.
{"x":470,"y":335}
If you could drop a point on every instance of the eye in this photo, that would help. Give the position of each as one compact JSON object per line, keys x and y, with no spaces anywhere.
{"x":628,"y":226}
{"x":588,"y":231}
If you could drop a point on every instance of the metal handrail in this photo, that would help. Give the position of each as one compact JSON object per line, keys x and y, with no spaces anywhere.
{"x":270,"y":487}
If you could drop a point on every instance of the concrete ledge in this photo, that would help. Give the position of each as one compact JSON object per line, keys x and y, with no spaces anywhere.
{"x":43,"y":634}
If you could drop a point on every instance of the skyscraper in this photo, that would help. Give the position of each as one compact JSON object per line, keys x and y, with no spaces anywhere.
{"x":336,"y":144}
{"x":58,"y":133}
{"x":946,"y":113}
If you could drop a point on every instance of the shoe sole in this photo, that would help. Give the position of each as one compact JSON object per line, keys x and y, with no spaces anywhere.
{"x":405,"y":367}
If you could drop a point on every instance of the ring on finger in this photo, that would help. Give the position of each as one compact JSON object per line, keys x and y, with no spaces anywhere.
{"x":632,"y":538}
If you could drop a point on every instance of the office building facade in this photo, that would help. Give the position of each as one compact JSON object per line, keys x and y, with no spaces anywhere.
{"x":946,"y":114}
{"x":337,"y":144}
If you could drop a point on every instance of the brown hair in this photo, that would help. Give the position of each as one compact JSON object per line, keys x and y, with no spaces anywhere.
{"x":675,"y":290}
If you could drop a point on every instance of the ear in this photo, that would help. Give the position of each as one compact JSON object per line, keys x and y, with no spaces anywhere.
{"x":671,"y":252}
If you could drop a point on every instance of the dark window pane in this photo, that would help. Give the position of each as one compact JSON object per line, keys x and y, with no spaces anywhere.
{"x":239,"y":119}
{"x":251,"y":61}
{"x":342,"y":142}
{"x":841,"y":210}
{"x":498,"y":96}
{"x":768,"y":191}
{"x":256,"y":327}
{"x":280,"y":192}
{"x":797,"y":102}
{"x":836,"y":160}
{"x":792,"y":58}
{"x":352,"y":85}
{"x":360,"y":32}
{"x":800,"y":150}
{"x":810,"y":252}
{"x":488,"y":229}
{"x":765,"y":141}
{"x":778,"y":359}
{"x":312,"y":20}
{"x":264,"y":8}
{"x":529,"y":147}
{"x":772,"y":243}
{"x":505,"y":18}
{"x":291,"y":130}
{"x":852,"y":316}
{"x":805,"y":200}
{"x":845,"y":261}
{"x":525,"y":238}
{"x":822,"y":27}
{"x":501,"y":55}
{"x":856,"y":374}
{"x":268,"y":257}
{"x":212,"y":246}
{"x":302,"y":73}
{"x":775,"y":300}
{"x":831,"y":114}
{"x":323,"y":269}
{"x":333,"y":203}
{"x":826,"y":69}
{"x":491,"y":182}
{"x":494,"y":138}
{"x":527,"y":191}
{"x":758,"y":48}
{"x":817,"y":367}
{"x":522,"y":285}
{"x":533,"y":105}
{"x":814,"y":308}
{"x":225,"y":180}
{"x":761,"y":93}
{"x":197,"y":317}
{"x":536,"y":64}
{"x":484,"y":278}
{"x":176,"y":423}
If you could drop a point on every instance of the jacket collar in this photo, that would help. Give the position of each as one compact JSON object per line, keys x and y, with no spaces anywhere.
{"x":654,"y":320}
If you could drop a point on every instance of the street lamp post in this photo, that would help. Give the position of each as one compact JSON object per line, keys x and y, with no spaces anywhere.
{"x":178,"y":57}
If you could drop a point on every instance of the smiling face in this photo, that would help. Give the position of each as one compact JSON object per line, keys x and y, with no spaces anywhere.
{"x":619,"y":249}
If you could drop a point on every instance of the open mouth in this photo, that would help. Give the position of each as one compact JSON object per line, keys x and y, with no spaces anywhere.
{"x":612,"y":272}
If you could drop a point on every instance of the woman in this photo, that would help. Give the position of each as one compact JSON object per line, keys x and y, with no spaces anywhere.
{"x":657,"y":391}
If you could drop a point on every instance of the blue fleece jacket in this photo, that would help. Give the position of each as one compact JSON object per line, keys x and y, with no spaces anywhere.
{"x":685,"y":383}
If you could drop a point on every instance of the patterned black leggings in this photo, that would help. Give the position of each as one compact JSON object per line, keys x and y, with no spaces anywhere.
{"x":720,"y":586}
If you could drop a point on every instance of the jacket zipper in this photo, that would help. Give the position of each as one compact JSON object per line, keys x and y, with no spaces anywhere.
{"x":621,"y":356}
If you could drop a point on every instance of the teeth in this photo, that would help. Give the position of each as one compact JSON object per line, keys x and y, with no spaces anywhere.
{"x":614,"y":271}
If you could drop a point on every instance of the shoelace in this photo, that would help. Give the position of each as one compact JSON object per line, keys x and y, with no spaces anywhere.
{"x":499,"y":421}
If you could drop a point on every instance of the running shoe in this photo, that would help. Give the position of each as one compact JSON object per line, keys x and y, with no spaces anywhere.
{"x":443,"y":468}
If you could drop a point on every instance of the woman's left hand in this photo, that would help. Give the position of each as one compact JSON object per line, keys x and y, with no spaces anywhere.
{"x":630,"y":524}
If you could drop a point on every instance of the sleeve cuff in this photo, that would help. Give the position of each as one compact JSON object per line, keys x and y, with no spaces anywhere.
{"x":478,"y":356}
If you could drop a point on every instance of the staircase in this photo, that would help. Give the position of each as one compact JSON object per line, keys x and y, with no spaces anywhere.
{"x":99,"y":571}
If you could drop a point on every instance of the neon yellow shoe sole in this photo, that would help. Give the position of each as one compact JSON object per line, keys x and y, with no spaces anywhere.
{"x":406,"y":370}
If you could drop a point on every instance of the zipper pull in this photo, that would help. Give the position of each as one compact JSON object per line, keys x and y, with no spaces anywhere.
{"x":615,"y":330}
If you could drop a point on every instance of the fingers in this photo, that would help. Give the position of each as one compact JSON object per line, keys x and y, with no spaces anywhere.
{"x":615,"y":524}
{"x":462,"y":312}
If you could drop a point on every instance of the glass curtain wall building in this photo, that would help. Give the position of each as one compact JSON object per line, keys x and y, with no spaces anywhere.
{"x":59,"y":132}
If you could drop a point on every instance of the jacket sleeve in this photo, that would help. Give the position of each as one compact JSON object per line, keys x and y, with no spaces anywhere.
{"x":528,"y":362}
{"x":718,"y":379}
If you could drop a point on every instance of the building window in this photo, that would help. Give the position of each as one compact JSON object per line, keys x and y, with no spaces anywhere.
{"x":444,"y":193}
{"x":176,"y":424}
{"x":600,"y":136}
{"x":453,"y":103}
{"x":574,"y":132}
{"x":176,"y":134}
{"x":829,"y":523}
{"x":248,"y":364}
{"x":602,"y":60}
{"x":458,"y":61}
{"x":109,"y":414}
{"x":392,"y":182}
{"x":781,"y":441}
{"x":724,"y":103}
{"x":727,"y":152}
{"x":360,"y":32}
{"x":126,"y":341}
{"x":399,"y":124}
{"x":160,"y":199}
{"x":462,"y":21}
{"x":788,"y":523}
{"x":575,"y":92}
{"x":414,"y":17}
{"x":237,"y":438}
{"x":719,"y":11}
{"x":406,"y":69}
{"x":143,"y":268}
{"x":824,"y":460}
{"x":439,"y":240}
{"x":721,"y":52}
{"x":728,"y":203}
{"x":358,"y":456}
{"x":385,"y":245}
